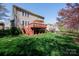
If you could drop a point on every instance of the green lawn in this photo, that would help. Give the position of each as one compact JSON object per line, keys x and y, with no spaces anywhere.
{"x":47,"y":44}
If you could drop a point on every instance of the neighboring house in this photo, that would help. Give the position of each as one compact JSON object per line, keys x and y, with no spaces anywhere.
{"x":30,"y":23}
{"x":5,"y":24}
{"x":52,"y":28}
{"x":56,"y":28}
{"x":2,"y":25}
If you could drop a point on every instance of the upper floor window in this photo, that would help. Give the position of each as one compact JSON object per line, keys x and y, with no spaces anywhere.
{"x":25,"y":14}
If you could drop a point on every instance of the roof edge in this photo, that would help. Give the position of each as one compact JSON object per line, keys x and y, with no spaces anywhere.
{"x":28,"y":11}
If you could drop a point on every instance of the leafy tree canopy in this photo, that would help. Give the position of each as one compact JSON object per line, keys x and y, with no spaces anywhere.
{"x":69,"y":16}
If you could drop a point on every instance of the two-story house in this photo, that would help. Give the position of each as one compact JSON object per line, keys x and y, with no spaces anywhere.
{"x":28,"y":22}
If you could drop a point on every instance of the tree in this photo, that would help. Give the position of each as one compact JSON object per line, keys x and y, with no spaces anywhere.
{"x":3,"y":11}
{"x":69,"y":16}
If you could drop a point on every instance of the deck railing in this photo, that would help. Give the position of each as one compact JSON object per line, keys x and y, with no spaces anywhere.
{"x":37,"y":25}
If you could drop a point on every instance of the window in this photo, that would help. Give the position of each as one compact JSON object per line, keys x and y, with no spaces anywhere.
{"x":26,"y":22}
{"x":27,"y":14}
{"x":23,"y":13}
{"x":23,"y":23}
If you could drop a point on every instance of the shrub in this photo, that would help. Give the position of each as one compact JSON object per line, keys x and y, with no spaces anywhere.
{"x":5,"y":32}
{"x":42,"y":44}
{"x":13,"y":31}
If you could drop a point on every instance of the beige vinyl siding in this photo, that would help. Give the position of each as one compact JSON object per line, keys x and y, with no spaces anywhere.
{"x":26,"y":17}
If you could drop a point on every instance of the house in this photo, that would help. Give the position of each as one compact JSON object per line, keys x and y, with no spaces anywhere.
{"x":2,"y":25}
{"x":30,"y":23}
{"x":52,"y":28}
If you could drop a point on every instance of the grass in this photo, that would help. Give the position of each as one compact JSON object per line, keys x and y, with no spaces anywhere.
{"x":47,"y":44}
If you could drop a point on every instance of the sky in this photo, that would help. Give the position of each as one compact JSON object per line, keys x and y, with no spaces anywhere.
{"x":48,"y":10}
